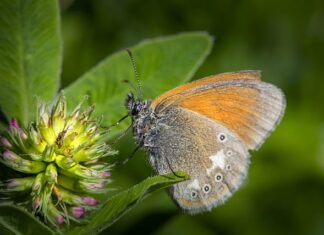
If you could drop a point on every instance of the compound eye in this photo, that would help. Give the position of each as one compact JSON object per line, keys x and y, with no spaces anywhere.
{"x":139,"y":107}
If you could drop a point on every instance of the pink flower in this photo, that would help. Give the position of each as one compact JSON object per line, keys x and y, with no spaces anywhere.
{"x":13,"y":123}
{"x":5,"y":142}
{"x":90,"y":201}
{"x":9,"y":155}
{"x":78,"y":212}
{"x":106,"y":174}
{"x":12,"y":184}
{"x":60,"y":219}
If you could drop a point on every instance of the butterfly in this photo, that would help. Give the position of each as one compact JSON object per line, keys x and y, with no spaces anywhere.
{"x":207,"y":128}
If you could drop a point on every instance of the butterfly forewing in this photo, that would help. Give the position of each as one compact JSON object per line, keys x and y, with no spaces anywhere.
{"x":248,"y":107}
{"x":242,"y":75}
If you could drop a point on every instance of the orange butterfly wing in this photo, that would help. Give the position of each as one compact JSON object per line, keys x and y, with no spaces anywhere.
{"x":248,"y":74}
{"x":239,"y":101}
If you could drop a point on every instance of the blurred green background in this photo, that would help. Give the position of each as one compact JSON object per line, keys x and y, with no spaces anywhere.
{"x":284,"y":193}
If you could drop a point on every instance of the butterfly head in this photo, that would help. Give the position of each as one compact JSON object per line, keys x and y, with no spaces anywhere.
{"x":135,"y":106}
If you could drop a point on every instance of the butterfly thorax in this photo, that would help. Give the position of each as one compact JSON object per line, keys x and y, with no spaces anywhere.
{"x":142,"y":117}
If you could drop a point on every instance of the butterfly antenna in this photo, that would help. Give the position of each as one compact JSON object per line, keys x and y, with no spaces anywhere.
{"x":130,"y":84}
{"x":136,"y":73}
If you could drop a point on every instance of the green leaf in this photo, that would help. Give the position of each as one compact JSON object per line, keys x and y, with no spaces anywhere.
{"x":122,"y":202}
{"x":30,"y":55}
{"x":15,"y":220}
{"x":163,"y":63}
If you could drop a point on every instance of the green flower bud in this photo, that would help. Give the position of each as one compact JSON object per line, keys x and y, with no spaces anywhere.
{"x":51,"y":174}
{"x":49,"y":154}
{"x":74,"y":199}
{"x":38,"y":184}
{"x":36,"y":140}
{"x":55,"y":216}
{"x":59,"y":115}
{"x":17,"y":185}
{"x":20,"y":164}
{"x":93,"y":187}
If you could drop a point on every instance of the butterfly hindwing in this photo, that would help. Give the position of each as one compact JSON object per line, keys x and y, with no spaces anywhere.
{"x":212,"y":155}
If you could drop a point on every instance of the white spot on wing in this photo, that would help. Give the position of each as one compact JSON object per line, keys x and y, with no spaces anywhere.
{"x":218,"y":160}
{"x":194,"y":184}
